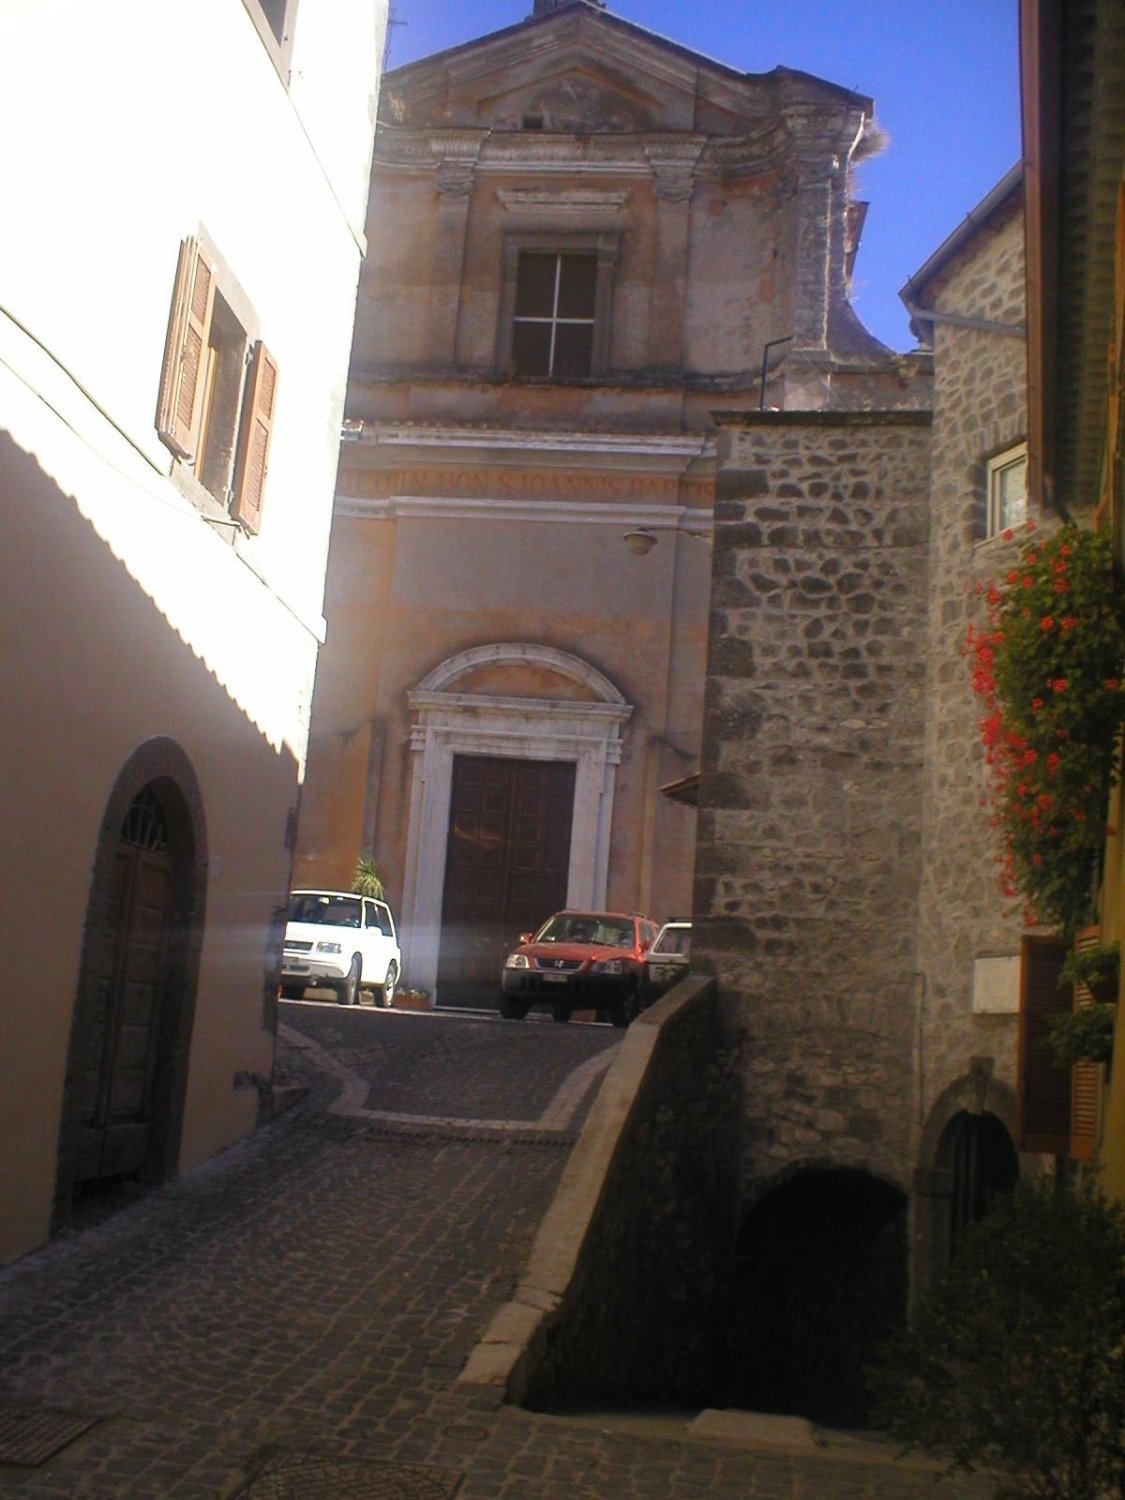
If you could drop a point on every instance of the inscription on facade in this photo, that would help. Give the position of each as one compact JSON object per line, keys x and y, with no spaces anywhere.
{"x":512,"y":484}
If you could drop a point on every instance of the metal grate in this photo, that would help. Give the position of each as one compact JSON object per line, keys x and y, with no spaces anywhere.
{"x":29,"y":1438}
{"x":145,"y":824}
{"x":316,"y":1476}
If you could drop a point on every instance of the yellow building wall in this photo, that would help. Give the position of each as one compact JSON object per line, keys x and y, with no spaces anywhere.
{"x":1111,"y":513}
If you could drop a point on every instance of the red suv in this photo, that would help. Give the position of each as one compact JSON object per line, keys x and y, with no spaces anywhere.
{"x":579,"y":960}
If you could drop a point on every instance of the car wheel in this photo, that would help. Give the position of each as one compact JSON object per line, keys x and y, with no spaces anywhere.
{"x":560,"y":1012}
{"x":349,"y":987}
{"x":512,"y":1010}
{"x":387,"y":993}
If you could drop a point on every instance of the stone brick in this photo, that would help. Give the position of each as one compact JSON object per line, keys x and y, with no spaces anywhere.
{"x":811,"y":931}
{"x":979,"y":400}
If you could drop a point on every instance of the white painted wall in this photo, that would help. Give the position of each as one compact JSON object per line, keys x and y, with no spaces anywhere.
{"x":128,"y":125}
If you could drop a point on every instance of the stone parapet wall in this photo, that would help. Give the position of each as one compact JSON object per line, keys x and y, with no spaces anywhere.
{"x":808,"y":858}
{"x":624,"y":1295}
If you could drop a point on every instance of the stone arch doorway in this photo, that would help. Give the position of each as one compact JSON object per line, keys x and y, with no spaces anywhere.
{"x":981,"y":1159}
{"x":130,"y":1037}
{"x":967,"y":1155}
{"x":819,"y":1278}
{"x":516,"y":701}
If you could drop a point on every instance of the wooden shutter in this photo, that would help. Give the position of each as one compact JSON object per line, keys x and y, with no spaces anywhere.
{"x":180,"y":409}
{"x":254,"y":438}
{"x":1043,"y":1107}
{"x":1087,"y":1078}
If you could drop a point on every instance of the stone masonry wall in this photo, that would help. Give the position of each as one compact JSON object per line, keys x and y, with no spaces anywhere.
{"x":646,"y":1313}
{"x":808,"y":855}
{"x":978,"y":411}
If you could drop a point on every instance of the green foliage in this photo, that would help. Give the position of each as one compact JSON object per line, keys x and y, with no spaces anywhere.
{"x":1049,"y":667}
{"x":1084,"y":1035}
{"x":1016,"y":1363}
{"x":1097,"y":967}
{"x":366,"y":881}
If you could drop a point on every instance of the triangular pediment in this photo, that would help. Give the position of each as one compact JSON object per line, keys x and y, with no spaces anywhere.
{"x":581,"y":69}
{"x":575,"y":94}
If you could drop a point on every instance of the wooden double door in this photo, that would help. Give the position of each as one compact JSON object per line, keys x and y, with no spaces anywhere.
{"x":507,"y":866}
{"x":130,"y":952}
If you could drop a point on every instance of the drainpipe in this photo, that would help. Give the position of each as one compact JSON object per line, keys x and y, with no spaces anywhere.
{"x":960,"y":320}
{"x":1006,"y":330}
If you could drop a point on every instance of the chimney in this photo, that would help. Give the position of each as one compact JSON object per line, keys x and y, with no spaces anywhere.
{"x":546,"y":7}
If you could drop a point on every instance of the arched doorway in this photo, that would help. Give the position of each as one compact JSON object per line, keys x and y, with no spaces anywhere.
{"x":967,"y":1155}
{"x":516,"y":748}
{"x":978,"y":1152}
{"x":130,"y":1038}
{"x":820,"y":1278}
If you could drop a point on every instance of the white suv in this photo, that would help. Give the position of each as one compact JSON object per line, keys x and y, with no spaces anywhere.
{"x":668,"y":960}
{"x":337,"y":940}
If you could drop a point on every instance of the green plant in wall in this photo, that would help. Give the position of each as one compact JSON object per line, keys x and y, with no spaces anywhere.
{"x":366,"y":880}
{"x":1095,"y":967}
{"x":1086,"y":1033}
{"x":1083,"y":1036}
{"x":1049,"y":666}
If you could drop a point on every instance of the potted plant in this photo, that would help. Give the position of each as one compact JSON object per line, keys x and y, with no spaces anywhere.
{"x":1050,"y":668}
{"x":1096,"y":968}
{"x":413,"y":998}
{"x":366,"y":881}
{"x":1083,"y":1036}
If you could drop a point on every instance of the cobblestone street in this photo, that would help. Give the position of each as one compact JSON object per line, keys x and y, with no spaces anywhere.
{"x":288,"y":1320}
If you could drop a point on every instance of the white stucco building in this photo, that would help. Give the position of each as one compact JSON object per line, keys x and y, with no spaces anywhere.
{"x":186,"y":219}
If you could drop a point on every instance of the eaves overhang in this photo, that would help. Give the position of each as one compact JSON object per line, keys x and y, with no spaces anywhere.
{"x":1073,"y":104}
{"x":403,"y":443}
{"x":684,"y":790}
{"x":994,"y":203}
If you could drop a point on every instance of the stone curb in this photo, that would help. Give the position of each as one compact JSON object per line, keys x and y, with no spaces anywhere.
{"x":506,"y":1356}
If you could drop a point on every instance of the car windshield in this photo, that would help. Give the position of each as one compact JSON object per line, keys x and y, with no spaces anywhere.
{"x":674,"y":940}
{"x":324,"y":910}
{"x":581,"y":927}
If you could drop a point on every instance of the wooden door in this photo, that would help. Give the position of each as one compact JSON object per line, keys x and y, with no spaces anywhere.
{"x":506,"y":869}
{"x":119,"y":1052}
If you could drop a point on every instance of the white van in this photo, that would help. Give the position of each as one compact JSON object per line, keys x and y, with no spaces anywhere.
{"x":341,"y":941}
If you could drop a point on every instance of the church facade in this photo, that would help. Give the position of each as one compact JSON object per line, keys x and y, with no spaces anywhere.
{"x":588,"y":239}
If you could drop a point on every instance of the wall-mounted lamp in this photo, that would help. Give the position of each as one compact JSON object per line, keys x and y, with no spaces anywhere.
{"x":639,"y":543}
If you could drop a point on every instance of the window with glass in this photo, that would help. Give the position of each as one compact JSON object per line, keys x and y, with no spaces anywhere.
{"x":1007,"y":489}
{"x":553,"y":323}
{"x":556,"y":295}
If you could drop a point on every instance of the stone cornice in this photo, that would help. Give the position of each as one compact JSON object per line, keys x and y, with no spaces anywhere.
{"x":615,"y":153}
{"x":463,"y":145}
{"x":521,"y":653}
{"x":646,"y":58}
{"x":569,"y":711}
{"x":529,"y":442}
{"x":648,"y":453}
{"x":820,"y":418}
{"x":581,"y":202}
{"x":639,"y":516}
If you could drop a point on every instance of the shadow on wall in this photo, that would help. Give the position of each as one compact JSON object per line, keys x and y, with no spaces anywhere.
{"x":98,"y":677}
{"x":820,"y":1278}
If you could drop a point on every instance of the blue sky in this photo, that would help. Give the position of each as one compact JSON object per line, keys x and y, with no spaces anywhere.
{"x":944,"y":75}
